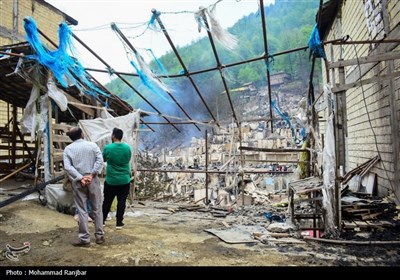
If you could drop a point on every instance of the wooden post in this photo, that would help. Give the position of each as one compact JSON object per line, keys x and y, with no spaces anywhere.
{"x":206,"y":136}
{"x":340,"y":144}
{"x":14,"y":136}
{"x":394,"y":109}
{"x":8,"y":134}
{"x":56,"y":111}
{"x":242,"y":160}
{"x":50,"y":137}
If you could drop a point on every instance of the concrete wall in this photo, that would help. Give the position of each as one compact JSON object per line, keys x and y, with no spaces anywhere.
{"x":376,"y":104}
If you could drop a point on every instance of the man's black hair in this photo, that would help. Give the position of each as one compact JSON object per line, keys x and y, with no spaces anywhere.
{"x":75,"y":133}
{"x":118,"y":133}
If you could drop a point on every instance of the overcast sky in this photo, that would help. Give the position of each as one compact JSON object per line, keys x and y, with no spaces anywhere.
{"x":95,"y":16}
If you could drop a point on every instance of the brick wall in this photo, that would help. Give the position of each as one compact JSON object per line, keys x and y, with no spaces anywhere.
{"x":47,"y":20}
{"x":360,"y":141}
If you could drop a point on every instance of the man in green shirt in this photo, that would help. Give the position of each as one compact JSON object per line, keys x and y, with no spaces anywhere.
{"x":118,"y":175}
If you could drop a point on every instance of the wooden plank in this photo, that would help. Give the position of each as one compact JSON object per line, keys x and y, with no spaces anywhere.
{"x":370,"y":184}
{"x":6,"y":140}
{"x":78,"y":104}
{"x":387,"y":223}
{"x":349,"y":224}
{"x":57,"y":150}
{"x":305,"y":191}
{"x":62,"y":126}
{"x":374,"y":224}
{"x":365,"y":59}
{"x":226,"y":224}
{"x":61,"y":138}
{"x":361,"y":224}
{"x":15,"y":172}
{"x":309,"y":199}
{"x":59,"y":173}
{"x":51,"y":146}
{"x":376,"y":79}
{"x":90,"y":106}
{"x":370,"y":216}
{"x":357,"y":211}
{"x":16,"y":156}
{"x":58,"y":157}
{"x":6,"y":147}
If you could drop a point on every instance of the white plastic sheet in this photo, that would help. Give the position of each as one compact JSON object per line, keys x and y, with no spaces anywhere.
{"x":29,"y":118}
{"x":57,"y":198}
{"x":328,"y":190}
{"x":57,"y":95}
{"x":99,"y":130}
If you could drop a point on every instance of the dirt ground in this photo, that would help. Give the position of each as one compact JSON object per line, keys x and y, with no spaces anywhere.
{"x":156,"y":237}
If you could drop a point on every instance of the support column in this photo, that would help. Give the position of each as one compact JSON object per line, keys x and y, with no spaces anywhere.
{"x":15,"y":22}
{"x":394,"y":112}
{"x":14,"y":137}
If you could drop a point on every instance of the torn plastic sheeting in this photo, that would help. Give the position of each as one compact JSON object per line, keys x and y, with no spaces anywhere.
{"x":57,"y":95}
{"x":28,"y":120}
{"x":328,"y":190}
{"x":59,"y":199}
{"x":99,"y":130}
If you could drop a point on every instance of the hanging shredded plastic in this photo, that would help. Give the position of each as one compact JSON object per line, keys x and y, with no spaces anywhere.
{"x":284,"y":117}
{"x":66,"y":69}
{"x":328,"y":190}
{"x":146,"y":81}
{"x":222,"y":36}
{"x":315,"y":44}
{"x":160,"y":65}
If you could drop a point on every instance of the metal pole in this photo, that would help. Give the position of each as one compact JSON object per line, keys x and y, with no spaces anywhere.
{"x":206,"y":137}
{"x":214,"y":171}
{"x":241,"y":161}
{"x":103,"y":87}
{"x":186,"y":71}
{"x":222,"y":66}
{"x":123,"y":79}
{"x":266,"y":61}
{"x":119,"y":32}
{"x":203,"y":15}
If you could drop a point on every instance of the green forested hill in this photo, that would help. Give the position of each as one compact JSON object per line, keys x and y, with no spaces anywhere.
{"x":289,"y":25}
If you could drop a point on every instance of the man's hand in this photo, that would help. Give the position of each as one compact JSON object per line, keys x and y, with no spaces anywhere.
{"x":86,"y":180}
